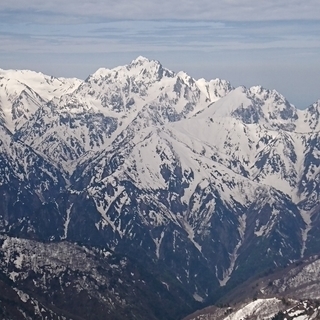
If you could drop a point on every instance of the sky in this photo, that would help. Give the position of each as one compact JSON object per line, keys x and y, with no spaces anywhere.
{"x":274,"y":43}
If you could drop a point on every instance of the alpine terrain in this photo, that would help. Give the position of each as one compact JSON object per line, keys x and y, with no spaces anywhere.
{"x":141,"y":193}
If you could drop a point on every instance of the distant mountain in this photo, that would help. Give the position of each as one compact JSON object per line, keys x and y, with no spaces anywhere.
{"x":23,"y":92}
{"x":107,"y":102}
{"x":202,"y":184}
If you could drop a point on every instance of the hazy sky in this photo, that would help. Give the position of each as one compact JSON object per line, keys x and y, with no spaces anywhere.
{"x":271,"y":43}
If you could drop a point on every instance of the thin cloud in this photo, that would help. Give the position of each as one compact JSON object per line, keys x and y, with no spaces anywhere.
{"x":230,"y":10}
{"x":161,"y":36}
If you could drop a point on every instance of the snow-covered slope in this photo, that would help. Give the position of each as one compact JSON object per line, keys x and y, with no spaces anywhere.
{"x":28,"y":183}
{"x":191,"y":187}
{"x":29,"y":169}
{"x":262,"y":309}
{"x":22,"y":92}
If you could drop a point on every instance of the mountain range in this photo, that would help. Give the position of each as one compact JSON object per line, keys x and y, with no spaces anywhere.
{"x":142,"y":184}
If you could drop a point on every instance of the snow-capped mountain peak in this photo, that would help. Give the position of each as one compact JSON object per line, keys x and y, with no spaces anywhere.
{"x":215,"y":183}
{"x":22,"y":92}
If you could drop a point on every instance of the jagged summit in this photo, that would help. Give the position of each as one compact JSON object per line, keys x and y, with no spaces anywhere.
{"x":139,"y":66}
{"x":141,"y":60}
